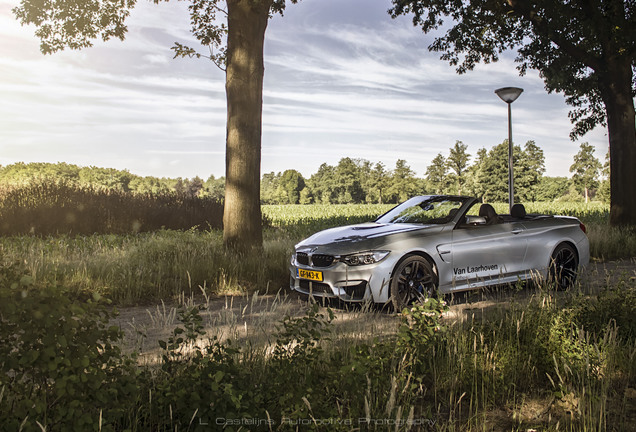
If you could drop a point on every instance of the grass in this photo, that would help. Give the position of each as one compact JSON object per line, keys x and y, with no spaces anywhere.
{"x":608,"y":243}
{"x":165,"y":264}
{"x":148,"y":267}
{"x":535,"y":362}
{"x":48,"y":208}
{"x":552,"y":362}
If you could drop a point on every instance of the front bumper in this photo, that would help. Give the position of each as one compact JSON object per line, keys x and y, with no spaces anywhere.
{"x":348,"y":283}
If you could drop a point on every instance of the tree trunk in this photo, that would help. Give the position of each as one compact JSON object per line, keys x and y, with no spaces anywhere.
{"x":617,"y":96}
{"x":247,"y":21}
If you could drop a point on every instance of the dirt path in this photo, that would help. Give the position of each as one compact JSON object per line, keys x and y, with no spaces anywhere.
{"x":253,"y":319}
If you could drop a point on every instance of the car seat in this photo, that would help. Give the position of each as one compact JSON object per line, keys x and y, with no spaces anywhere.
{"x":487,"y":211}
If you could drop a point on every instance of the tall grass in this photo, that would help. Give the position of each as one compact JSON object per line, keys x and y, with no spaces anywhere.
{"x":304,"y":220}
{"x":58,"y":208}
{"x":562,"y":363}
{"x":148,"y":267}
{"x":164,"y":264}
{"x":323,"y":215}
{"x":532,"y":366}
{"x":608,"y":242}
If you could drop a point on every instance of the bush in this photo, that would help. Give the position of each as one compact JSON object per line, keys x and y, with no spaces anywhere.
{"x":60,"y":367}
{"x":614,"y":304}
{"x":197,"y":385}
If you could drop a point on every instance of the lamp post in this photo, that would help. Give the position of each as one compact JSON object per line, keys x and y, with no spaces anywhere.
{"x":509,"y":95}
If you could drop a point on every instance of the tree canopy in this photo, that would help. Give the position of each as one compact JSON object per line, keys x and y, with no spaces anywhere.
{"x":360,"y":181}
{"x":585,"y":169}
{"x":458,"y":162}
{"x":581,"y":48}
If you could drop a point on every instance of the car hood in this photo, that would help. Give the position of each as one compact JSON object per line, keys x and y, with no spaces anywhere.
{"x":362,"y":237}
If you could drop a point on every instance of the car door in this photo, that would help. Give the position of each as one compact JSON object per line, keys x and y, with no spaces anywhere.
{"x":485,"y":254}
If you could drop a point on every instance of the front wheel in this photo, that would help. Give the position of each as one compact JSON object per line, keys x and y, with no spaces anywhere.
{"x":413,"y":281}
{"x":564,"y":266}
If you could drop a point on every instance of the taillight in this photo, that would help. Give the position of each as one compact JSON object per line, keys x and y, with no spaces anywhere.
{"x":583,"y":228}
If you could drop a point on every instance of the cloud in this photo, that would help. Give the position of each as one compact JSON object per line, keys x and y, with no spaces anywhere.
{"x":158,"y":59}
{"x":342,"y":79}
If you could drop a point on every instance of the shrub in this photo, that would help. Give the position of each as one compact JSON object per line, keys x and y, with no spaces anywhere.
{"x":60,"y":367}
{"x":616,"y":304}
{"x":197,"y":385}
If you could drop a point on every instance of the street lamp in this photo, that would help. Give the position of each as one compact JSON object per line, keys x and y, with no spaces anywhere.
{"x":509,"y":95}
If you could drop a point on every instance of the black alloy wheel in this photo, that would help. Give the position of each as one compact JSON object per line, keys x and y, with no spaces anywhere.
{"x":414,"y":280}
{"x":564,"y":266}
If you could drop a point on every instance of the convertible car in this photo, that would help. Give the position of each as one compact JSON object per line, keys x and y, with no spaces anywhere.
{"x":438,"y":244}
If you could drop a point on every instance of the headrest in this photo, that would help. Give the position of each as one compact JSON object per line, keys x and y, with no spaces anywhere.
{"x":487,"y":211}
{"x":518,"y":211}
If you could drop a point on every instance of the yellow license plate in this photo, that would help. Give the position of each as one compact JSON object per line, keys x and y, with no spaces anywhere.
{"x":309,"y":274}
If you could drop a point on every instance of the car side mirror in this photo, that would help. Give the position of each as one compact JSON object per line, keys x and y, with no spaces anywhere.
{"x":475,"y":220}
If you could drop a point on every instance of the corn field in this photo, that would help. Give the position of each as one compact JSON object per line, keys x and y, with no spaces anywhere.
{"x":343,"y":214}
{"x":49,"y":208}
{"x":57,"y":208}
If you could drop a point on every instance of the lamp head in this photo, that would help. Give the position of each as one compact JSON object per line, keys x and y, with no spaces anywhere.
{"x":509,"y":94}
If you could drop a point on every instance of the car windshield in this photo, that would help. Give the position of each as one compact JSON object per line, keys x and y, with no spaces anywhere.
{"x":423,"y":210}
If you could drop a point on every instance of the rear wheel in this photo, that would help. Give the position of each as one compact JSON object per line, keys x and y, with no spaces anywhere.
{"x":413,"y":281}
{"x":564,"y":266}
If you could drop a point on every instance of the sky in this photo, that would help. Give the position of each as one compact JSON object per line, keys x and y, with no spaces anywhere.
{"x":342,"y":79}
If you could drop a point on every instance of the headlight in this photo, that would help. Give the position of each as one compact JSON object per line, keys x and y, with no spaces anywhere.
{"x":364,"y":258}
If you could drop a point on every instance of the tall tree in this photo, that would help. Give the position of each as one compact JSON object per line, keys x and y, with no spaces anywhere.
{"x":494,"y":180}
{"x":21,"y":173}
{"x":269,"y":188}
{"x":179,"y":186}
{"x":215,"y":188}
{"x":586,"y":170}
{"x":476,"y":174}
{"x":365,"y":169}
{"x":528,"y":175}
{"x":403,"y":184}
{"x":552,"y":188}
{"x":74,"y":24}
{"x":457,"y":162}
{"x":194,"y":187}
{"x":436,"y":174}
{"x":290,"y":185}
{"x":494,"y":173}
{"x":378,"y":184}
{"x":151,"y":185}
{"x":604,"y":193}
{"x":322,"y":184}
{"x":584,"y":49}
{"x":347,"y":185}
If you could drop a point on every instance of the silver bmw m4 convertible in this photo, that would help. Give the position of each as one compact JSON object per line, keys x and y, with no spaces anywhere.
{"x":438,"y":244}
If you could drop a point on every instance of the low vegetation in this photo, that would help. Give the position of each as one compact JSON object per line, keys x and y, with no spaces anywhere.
{"x":555,"y":363}
{"x":564,"y":362}
{"x":132,"y":268}
{"x":43,"y":208}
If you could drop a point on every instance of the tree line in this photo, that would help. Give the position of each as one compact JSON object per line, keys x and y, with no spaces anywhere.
{"x":100,"y":179}
{"x":356,"y":180}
